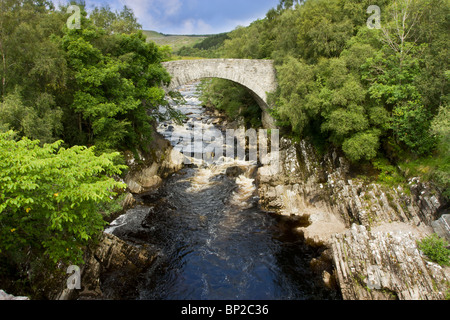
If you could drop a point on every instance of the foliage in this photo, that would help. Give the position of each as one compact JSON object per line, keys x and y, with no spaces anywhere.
{"x":411,"y":126}
{"x":74,"y":98}
{"x":436,"y":249}
{"x":234,"y":100}
{"x":436,"y":166}
{"x":388,"y":174}
{"x":40,"y":120}
{"x":115,"y":90}
{"x":49,"y":196}
{"x":441,"y":129}
{"x":98,"y":85}
{"x":186,"y":51}
{"x":115,"y":22}
{"x":369,"y":92}
{"x":212,"y":42}
{"x":32,"y":69}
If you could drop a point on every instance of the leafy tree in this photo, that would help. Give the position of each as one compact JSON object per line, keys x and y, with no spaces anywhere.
{"x":362,"y":146}
{"x":393,"y":77}
{"x":323,"y":30}
{"x":49,"y":195}
{"x":297,"y":100}
{"x":441,"y":129}
{"x":287,"y":4}
{"x":115,"y":22}
{"x":33,"y":69}
{"x":118,"y":86}
{"x":411,"y":125}
{"x":243,"y":42}
{"x":212,"y":42}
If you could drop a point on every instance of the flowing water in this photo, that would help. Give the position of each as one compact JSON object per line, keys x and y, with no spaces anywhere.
{"x":216,"y":244}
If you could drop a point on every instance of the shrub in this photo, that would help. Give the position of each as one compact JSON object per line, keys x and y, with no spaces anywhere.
{"x":436,"y":249}
{"x":48,"y":197}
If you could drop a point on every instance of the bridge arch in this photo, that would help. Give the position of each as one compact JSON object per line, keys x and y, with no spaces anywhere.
{"x":258,"y":76}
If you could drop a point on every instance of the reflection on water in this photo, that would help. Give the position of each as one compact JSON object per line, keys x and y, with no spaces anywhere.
{"x":216,"y":243}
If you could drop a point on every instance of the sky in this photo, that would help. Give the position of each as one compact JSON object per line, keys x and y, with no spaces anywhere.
{"x":190,"y":16}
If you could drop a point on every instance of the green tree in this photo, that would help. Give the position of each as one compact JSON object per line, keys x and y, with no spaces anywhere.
{"x":393,"y":76}
{"x":118,"y":86}
{"x":48,"y":198}
{"x":33,"y":69}
{"x":323,"y":29}
{"x":441,"y":129}
{"x":231,"y":98}
{"x":41,"y":120}
{"x":115,"y":22}
{"x":297,"y":98}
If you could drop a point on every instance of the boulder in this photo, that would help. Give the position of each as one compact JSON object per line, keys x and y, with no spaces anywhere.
{"x":5,"y":296}
{"x":442,"y":227}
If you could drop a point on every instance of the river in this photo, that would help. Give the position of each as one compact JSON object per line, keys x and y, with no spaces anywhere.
{"x":215,"y":242}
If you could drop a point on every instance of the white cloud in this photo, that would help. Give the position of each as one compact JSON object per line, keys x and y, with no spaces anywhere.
{"x":153,"y":12}
{"x":194,"y":26}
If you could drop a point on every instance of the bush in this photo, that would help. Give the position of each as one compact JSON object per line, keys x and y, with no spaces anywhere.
{"x":436,"y":249}
{"x":362,"y":146}
{"x":49,"y":197}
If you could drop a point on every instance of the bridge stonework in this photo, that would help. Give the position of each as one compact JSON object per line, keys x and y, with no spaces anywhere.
{"x":258,"y":76}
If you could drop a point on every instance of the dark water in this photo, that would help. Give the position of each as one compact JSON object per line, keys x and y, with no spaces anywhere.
{"x":216,"y":243}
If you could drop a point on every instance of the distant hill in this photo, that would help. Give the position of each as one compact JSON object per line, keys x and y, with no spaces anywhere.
{"x":175,"y":41}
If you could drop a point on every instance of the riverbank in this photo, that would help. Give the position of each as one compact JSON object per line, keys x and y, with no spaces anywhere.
{"x":370,"y":229}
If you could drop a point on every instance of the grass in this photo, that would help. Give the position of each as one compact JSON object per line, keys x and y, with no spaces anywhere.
{"x":176,"y":42}
{"x":434,"y":169}
{"x":388,"y":174}
{"x":175,"y":57}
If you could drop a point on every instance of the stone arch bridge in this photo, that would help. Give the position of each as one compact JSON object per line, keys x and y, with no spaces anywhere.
{"x":257,"y":76}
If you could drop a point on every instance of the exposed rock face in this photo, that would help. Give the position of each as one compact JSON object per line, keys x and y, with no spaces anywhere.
{"x":298,"y":189}
{"x":442,"y":227}
{"x":386,"y":265}
{"x":110,"y":255}
{"x":147,"y":171}
{"x":341,"y":208}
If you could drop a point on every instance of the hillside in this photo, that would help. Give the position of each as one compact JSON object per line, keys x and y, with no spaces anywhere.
{"x":175,"y":41}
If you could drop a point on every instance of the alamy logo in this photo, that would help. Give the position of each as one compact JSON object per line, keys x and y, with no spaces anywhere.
{"x":374,"y":21}
{"x":74,"y":281}
{"x":74,"y":21}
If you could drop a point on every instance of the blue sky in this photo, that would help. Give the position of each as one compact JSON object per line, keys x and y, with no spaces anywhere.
{"x":191,"y":16}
